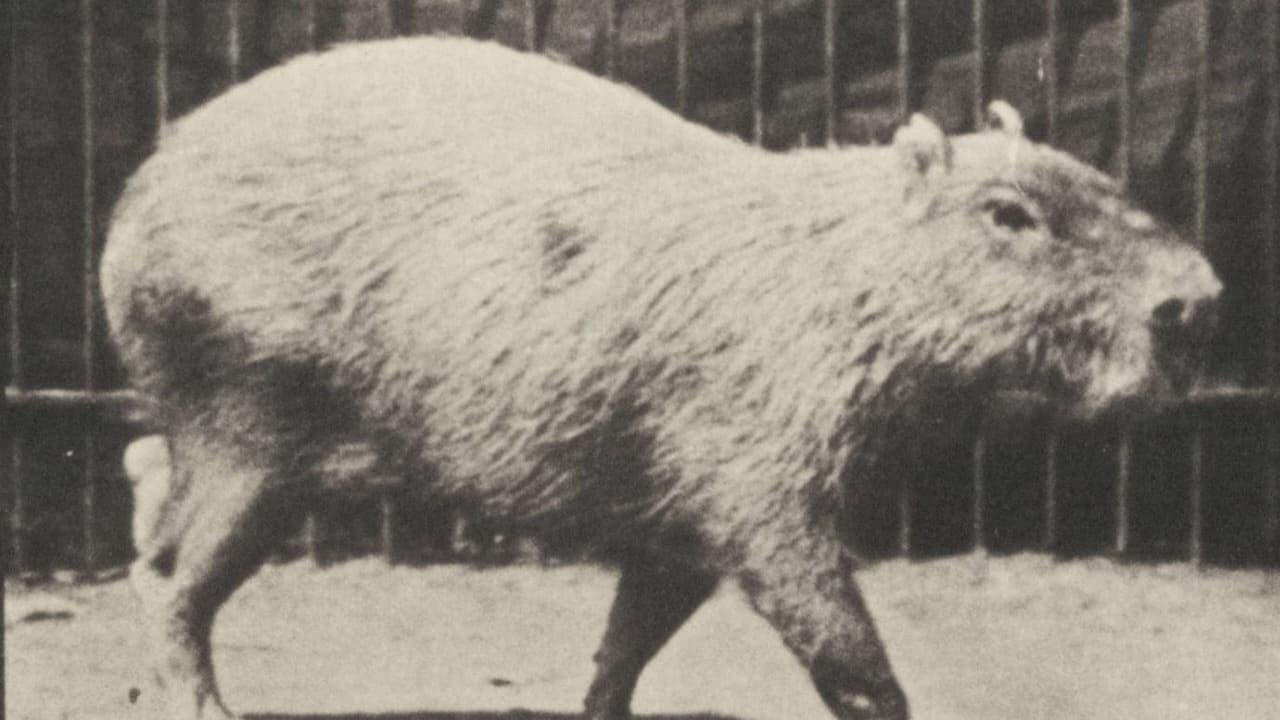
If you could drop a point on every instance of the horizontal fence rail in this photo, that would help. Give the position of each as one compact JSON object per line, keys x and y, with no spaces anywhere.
{"x":230,"y":41}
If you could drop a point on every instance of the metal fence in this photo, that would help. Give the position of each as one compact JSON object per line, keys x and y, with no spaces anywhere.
{"x":1139,"y":491}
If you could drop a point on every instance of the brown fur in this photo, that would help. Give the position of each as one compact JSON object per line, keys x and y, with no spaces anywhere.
{"x":541,"y":292}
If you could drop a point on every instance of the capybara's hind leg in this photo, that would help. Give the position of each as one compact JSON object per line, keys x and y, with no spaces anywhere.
{"x":651,"y":603}
{"x":800,"y":579}
{"x":216,"y":525}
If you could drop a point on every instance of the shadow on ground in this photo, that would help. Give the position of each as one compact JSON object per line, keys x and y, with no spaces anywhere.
{"x":507,"y":715}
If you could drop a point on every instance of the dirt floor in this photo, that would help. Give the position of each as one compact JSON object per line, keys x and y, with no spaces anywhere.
{"x":1017,"y":638}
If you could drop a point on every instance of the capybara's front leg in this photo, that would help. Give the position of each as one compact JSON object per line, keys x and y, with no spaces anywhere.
{"x":210,"y":532}
{"x":651,"y":603}
{"x":179,"y":636}
{"x":801,"y":580}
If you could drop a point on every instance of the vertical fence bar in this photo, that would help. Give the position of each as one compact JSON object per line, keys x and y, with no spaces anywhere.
{"x":680,"y":24}
{"x":87,"y":234}
{"x":1124,"y":454}
{"x":1195,"y":545}
{"x":11,"y":195}
{"x":89,"y":277}
{"x":979,"y":62}
{"x":1053,"y":40}
{"x":758,"y":9}
{"x":1124,"y":129}
{"x":830,"y":97}
{"x":1271,"y":273}
{"x":1200,"y":134}
{"x":1124,"y":94}
{"x":311,"y":535}
{"x":17,"y":509}
{"x":1052,"y":100}
{"x":386,"y":526}
{"x":1200,"y":149}
{"x":233,"y":41}
{"x":1050,"y":540}
{"x":611,"y":38}
{"x":904,"y":59}
{"x":905,"y":501}
{"x":1271,"y":523}
{"x":979,"y":493}
{"x":162,"y":66}
{"x":531,"y":25}
{"x":89,"y":506}
{"x":906,"y":492}
{"x":309,"y":24}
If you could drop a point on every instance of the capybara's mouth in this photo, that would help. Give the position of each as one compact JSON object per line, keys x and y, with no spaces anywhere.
{"x":1044,"y":376}
{"x":1181,"y":354}
{"x":1112,"y":389}
{"x":1102,"y":372}
{"x":1149,"y":389}
{"x":1181,"y":344}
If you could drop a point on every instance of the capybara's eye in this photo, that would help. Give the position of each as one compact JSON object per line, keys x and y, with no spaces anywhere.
{"x":1011,"y":215}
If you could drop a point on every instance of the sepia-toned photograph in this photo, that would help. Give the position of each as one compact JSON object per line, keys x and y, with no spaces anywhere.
{"x":653,"y":359}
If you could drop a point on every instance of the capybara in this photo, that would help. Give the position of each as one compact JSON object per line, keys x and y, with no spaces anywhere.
{"x":539,"y":293}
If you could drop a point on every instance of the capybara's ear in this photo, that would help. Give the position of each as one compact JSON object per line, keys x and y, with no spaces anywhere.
{"x":1005,"y":118}
{"x":922,"y":147}
{"x":925,"y":153}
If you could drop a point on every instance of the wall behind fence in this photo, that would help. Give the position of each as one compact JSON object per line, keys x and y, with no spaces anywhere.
{"x":1177,"y":98}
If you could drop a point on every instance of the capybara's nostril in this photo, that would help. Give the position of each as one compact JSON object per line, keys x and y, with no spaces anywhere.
{"x":1169,"y":314}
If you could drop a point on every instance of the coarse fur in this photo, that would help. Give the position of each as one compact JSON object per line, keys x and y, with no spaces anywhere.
{"x":543,"y":293}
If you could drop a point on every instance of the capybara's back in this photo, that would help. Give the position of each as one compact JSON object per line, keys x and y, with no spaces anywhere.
{"x":512,"y":282}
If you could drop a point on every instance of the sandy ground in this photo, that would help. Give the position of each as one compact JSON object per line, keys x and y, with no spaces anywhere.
{"x":1020,"y":637}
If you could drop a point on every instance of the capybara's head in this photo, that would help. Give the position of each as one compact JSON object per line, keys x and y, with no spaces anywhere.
{"x":1055,"y":283}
